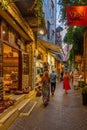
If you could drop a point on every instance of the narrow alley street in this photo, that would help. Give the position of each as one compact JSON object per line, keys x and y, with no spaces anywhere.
{"x":64,"y":112}
{"x":41,"y":41}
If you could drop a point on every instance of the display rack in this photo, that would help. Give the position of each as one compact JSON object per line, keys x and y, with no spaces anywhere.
{"x":1,"y":73}
{"x":10,"y":73}
{"x":10,"y":64}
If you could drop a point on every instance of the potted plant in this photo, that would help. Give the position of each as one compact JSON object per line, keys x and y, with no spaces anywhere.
{"x":84,"y":95}
{"x":81,"y":84}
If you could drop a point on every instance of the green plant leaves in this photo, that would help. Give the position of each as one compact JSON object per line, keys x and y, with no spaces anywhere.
{"x":84,"y":90}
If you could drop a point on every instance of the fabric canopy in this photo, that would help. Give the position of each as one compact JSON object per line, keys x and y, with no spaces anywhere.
{"x":58,"y":56}
{"x":50,"y":46}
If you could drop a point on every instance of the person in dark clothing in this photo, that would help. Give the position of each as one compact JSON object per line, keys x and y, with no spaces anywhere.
{"x":53,"y":77}
{"x":61,"y":78}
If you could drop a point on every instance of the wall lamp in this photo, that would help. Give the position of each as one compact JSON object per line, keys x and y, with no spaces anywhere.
{"x":40,"y":32}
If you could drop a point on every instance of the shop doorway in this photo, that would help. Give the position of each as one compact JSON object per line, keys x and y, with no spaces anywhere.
{"x":10,"y":69}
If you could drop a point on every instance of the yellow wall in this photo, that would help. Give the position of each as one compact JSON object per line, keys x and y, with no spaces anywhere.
{"x":7,"y":50}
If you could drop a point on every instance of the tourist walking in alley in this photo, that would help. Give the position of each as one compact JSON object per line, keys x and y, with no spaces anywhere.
{"x":66,"y":82}
{"x":64,"y":112}
{"x":53,"y":77}
{"x":46,"y":87}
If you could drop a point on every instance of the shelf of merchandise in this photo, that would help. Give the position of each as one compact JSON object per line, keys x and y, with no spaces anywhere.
{"x":10,"y":73}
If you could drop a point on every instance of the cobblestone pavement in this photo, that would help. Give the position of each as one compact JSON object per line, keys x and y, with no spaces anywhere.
{"x":64,"y":112}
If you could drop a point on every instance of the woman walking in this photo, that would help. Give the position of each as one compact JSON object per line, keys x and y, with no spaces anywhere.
{"x":66,"y":79}
{"x":46,"y":87}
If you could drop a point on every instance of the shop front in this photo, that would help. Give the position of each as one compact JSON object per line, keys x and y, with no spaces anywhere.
{"x":52,"y":51}
{"x":39,"y":65}
{"x":14,"y":61}
{"x":9,"y":57}
{"x":51,"y":62}
{"x":10,"y":68}
{"x":14,"y":70}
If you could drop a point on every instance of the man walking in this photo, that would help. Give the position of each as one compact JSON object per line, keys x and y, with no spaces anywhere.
{"x":53,"y":77}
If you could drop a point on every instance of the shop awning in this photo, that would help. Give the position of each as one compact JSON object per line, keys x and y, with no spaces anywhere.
{"x":58,"y":56}
{"x":50,"y":46}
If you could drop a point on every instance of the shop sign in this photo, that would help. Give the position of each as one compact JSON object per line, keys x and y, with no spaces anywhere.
{"x":78,"y":58}
{"x":76,"y":15}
